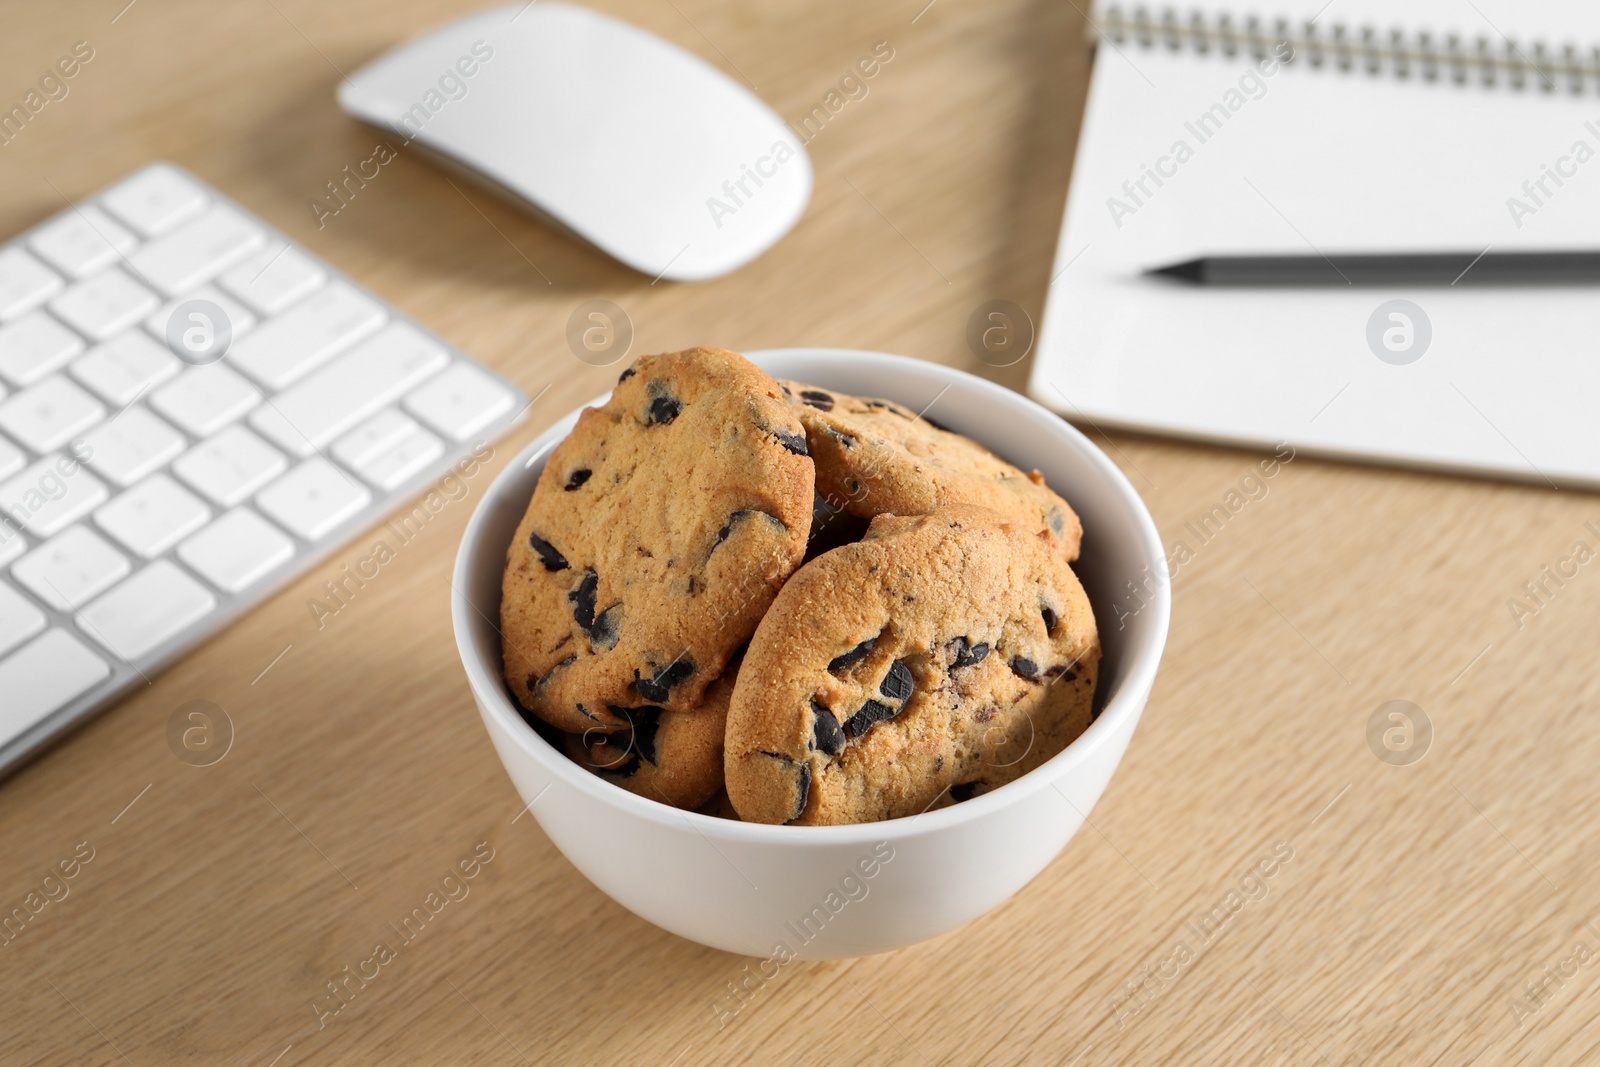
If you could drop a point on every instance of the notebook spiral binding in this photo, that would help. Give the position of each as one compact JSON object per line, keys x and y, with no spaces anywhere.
{"x":1396,"y":53}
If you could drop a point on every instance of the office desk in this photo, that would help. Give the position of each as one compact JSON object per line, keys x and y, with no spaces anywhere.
{"x":1409,"y":904}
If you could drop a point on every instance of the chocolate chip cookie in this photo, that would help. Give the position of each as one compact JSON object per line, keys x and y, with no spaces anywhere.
{"x":940,"y":657}
{"x":674,"y":757}
{"x":657,"y":536}
{"x":876,"y":457}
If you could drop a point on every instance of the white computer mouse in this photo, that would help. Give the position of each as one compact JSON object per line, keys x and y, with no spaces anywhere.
{"x":633,"y":144}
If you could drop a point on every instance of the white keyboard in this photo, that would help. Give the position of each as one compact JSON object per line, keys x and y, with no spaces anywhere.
{"x":166,"y":465}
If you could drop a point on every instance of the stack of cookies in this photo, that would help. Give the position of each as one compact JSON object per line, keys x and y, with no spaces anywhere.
{"x":779,"y":603}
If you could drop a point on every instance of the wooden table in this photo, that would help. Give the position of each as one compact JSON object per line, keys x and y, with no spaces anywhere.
{"x":1418,"y":903}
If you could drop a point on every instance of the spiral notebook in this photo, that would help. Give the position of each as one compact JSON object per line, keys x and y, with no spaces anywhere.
{"x":1351,"y":126}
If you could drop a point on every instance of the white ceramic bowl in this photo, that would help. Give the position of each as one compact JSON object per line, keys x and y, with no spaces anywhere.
{"x":822,"y":892}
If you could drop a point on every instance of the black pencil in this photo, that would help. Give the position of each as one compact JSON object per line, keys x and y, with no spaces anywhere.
{"x":1407,"y":268}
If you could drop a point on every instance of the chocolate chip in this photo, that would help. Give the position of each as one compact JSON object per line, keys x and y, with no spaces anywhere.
{"x":727,"y":527}
{"x":845,"y":440}
{"x":552,"y":560}
{"x":794,"y":442}
{"x":625,"y":375}
{"x":602,"y":628}
{"x":642,"y":726}
{"x":658,"y":686}
{"x":742,"y":513}
{"x":586,"y":713}
{"x":817,"y":399}
{"x":855,"y":655}
{"x":577,"y":478}
{"x":1023,"y":667}
{"x":1057,"y":519}
{"x":547,"y":675}
{"x":966,"y":653}
{"x":804,"y":788}
{"x":869,"y":715}
{"x":898,"y":683}
{"x":607,"y":626}
{"x":964,"y":791}
{"x":582,"y":599}
{"x":663,"y":409}
{"x":1063,"y":671}
{"x":826,"y":736}
{"x":1049,"y":619}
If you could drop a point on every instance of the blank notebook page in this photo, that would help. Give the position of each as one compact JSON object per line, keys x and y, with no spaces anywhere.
{"x":1316,"y":161}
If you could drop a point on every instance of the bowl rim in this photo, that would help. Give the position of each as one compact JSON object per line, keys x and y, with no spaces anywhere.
{"x":1142,"y":657}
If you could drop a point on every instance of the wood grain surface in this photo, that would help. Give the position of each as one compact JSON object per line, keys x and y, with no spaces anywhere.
{"x":1434,"y":911}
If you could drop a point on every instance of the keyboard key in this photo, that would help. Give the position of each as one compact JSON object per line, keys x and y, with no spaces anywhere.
{"x":33,"y":346}
{"x":25,"y":283}
{"x":231,"y":466}
{"x":274,"y":278}
{"x":313,"y":499}
{"x":314,"y":411}
{"x":205,"y":399}
{"x":460,"y":402}
{"x":42,"y":677}
{"x":153,"y":516}
{"x":392,"y":469}
{"x":308,"y":335}
{"x":71,"y":568}
{"x":373,"y":438}
{"x":125,"y":367}
{"x":11,"y":458}
{"x":130,"y":446}
{"x":237,"y":550}
{"x":155,"y":200}
{"x":51,"y":494}
{"x":240,"y":318}
{"x":81,"y":241}
{"x":12,"y":543}
{"x":198,"y":250}
{"x":105,"y":304}
{"x":147,"y":610}
{"x":50,"y":413}
{"x":19,"y":620}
